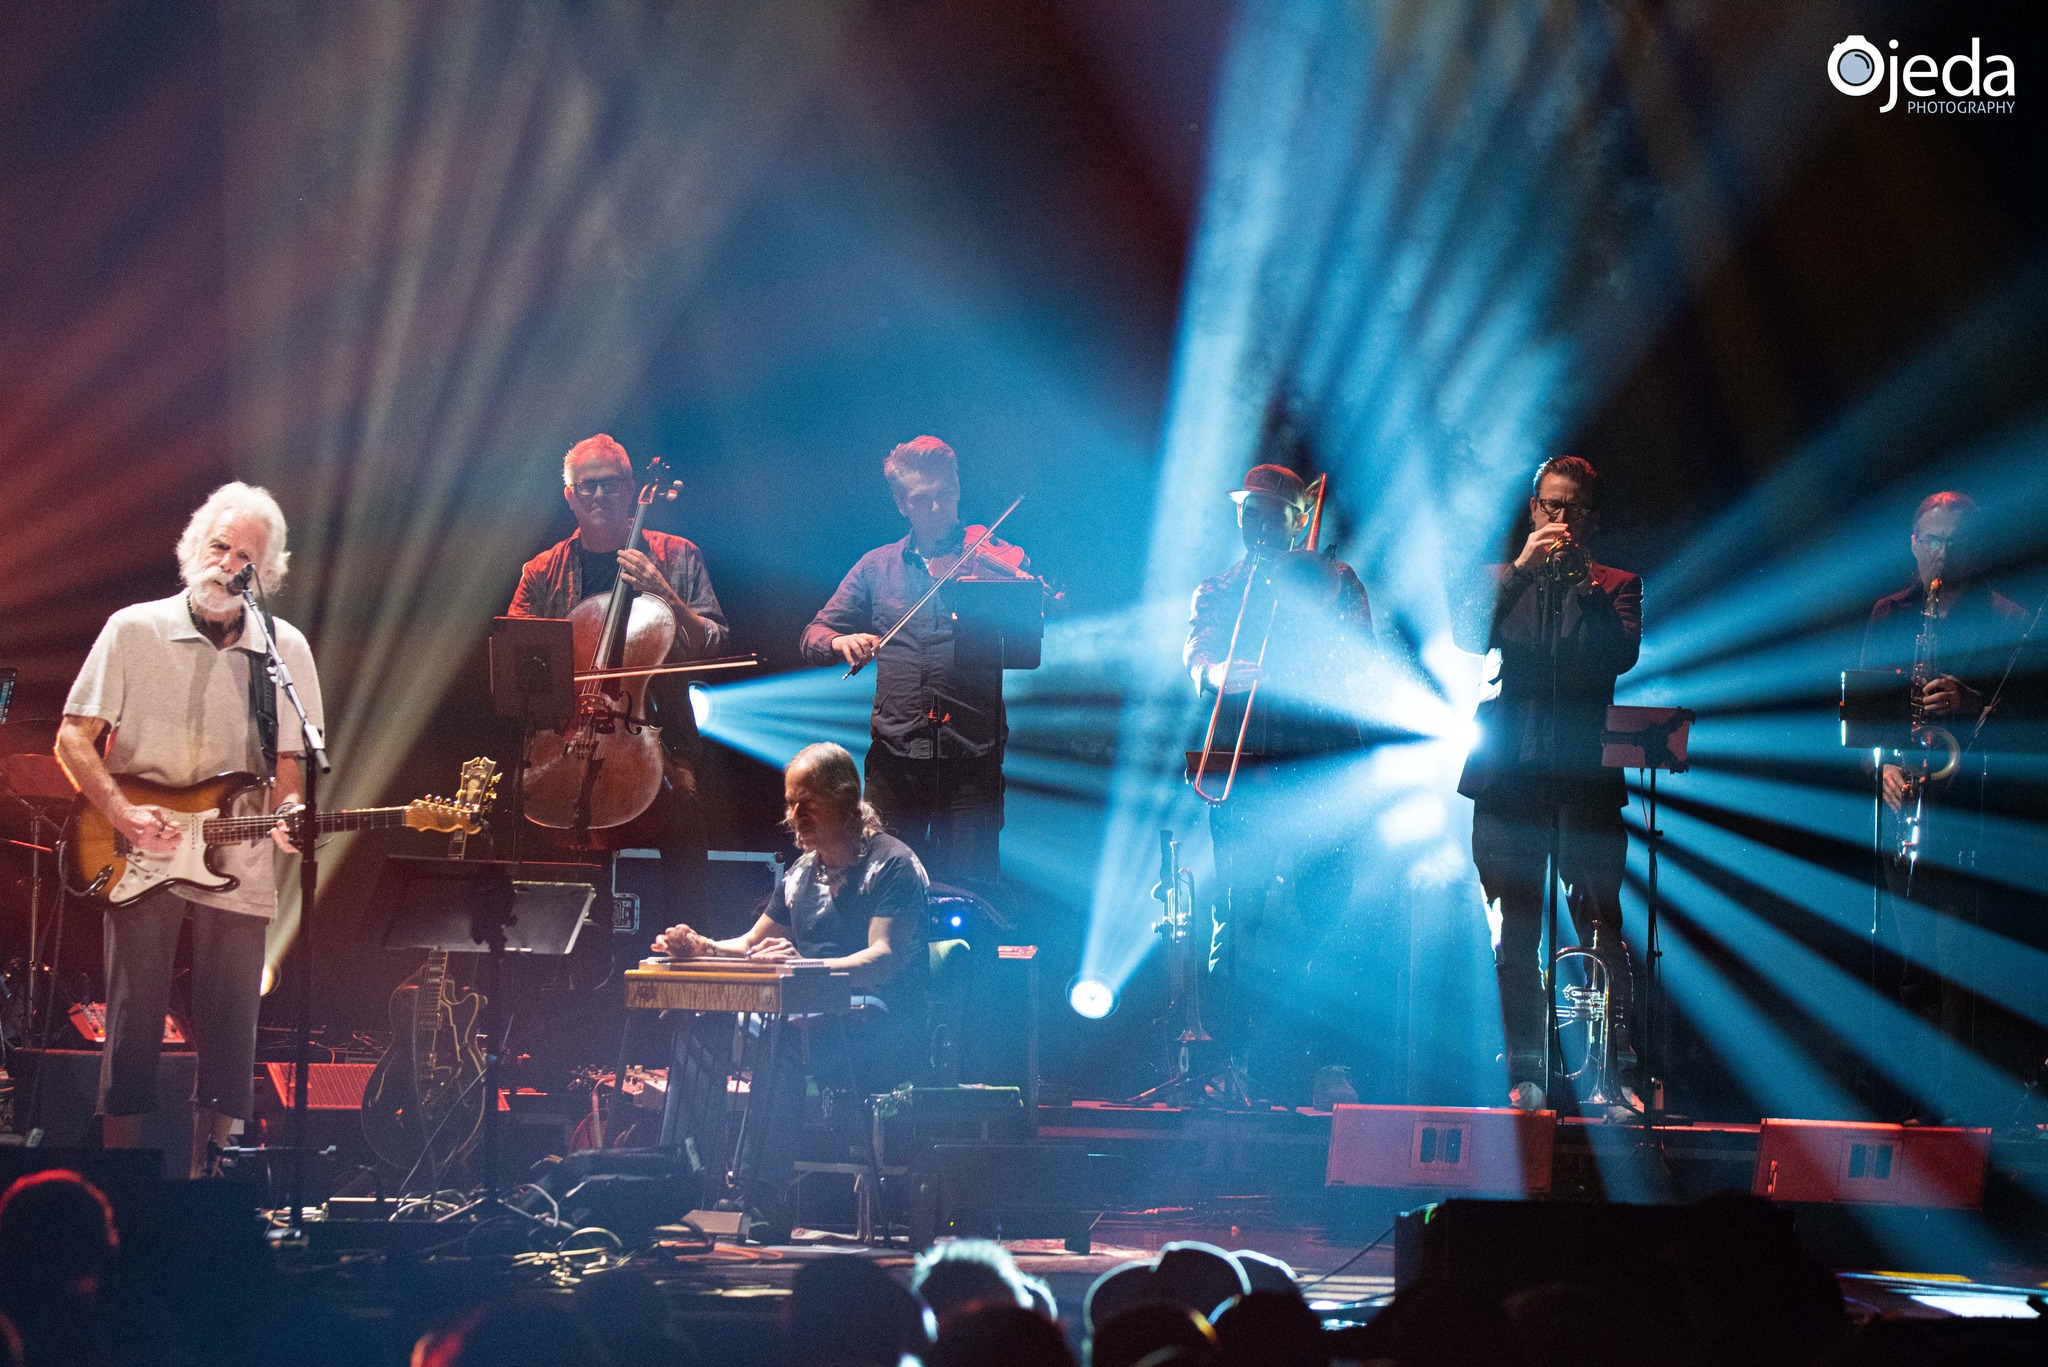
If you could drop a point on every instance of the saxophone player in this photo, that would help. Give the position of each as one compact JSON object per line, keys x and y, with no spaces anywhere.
{"x":1954,"y":635}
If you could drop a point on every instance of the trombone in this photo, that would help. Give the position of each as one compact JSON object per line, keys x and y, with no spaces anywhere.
{"x":1230,"y":662}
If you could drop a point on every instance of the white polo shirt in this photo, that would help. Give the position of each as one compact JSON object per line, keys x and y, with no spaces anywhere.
{"x":179,"y":709}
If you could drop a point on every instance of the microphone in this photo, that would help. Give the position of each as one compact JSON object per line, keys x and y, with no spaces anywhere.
{"x":240,"y":583}
{"x":1164,"y":891}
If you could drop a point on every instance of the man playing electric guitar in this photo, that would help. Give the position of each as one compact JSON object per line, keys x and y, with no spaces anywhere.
{"x":178,"y":692}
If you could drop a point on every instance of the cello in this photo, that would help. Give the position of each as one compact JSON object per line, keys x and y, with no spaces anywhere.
{"x":604,"y":766}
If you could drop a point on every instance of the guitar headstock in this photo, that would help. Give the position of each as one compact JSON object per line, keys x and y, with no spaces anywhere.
{"x":477,"y":788}
{"x":473,"y":795}
{"x":661,"y":485}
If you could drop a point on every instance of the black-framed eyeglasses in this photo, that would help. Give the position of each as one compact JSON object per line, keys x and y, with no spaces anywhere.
{"x":1555,"y":509}
{"x":1935,"y":541}
{"x":610,"y":484}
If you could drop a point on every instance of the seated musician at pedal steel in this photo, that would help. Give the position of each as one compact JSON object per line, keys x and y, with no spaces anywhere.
{"x":177,"y":690}
{"x":1531,"y":759}
{"x":597,"y":481}
{"x":855,"y":900}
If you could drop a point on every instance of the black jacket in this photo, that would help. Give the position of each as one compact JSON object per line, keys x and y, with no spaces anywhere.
{"x":1600,"y":632}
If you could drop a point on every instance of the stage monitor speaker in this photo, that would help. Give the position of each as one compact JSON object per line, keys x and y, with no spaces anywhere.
{"x":1927,"y":1166}
{"x":58,"y":1091}
{"x":177,"y":1236}
{"x":1496,"y":1248}
{"x":999,"y":1038}
{"x":1442,"y":1148}
{"x":628,"y":1191}
{"x":1012,"y":1191}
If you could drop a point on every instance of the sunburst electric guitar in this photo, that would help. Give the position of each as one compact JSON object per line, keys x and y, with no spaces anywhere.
{"x":425,"y":1100}
{"x":100,"y":863}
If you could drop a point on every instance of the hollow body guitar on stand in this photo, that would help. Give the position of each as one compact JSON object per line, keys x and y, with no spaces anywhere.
{"x":424,"y":1103}
{"x":101,"y":865}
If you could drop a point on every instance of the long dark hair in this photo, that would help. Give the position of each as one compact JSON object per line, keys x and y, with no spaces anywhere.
{"x":833,"y":770}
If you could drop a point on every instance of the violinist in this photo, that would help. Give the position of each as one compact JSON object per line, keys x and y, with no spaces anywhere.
{"x":1319,"y":641}
{"x":597,"y":481}
{"x":934,"y":767}
{"x":1539,"y":754}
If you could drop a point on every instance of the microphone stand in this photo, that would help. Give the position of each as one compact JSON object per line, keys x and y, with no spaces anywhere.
{"x":1551,"y":604}
{"x":307,"y":820}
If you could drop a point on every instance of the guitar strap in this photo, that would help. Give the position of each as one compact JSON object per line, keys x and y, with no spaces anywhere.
{"x":263,"y":701}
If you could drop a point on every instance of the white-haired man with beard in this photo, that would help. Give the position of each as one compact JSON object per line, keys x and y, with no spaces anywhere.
{"x":171,"y":693}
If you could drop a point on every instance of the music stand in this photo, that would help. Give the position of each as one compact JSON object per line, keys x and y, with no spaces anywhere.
{"x":1876,"y":714}
{"x":999,"y":623}
{"x":1649,"y":738}
{"x":467,"y":905}
{"x":1877,"y":709}
{"x":533,"y":678}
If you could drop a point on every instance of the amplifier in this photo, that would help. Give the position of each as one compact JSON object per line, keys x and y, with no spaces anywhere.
{"x":335,"y":1086}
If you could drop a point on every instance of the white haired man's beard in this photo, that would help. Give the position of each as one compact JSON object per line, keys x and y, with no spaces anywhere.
{"x":208,"y":589}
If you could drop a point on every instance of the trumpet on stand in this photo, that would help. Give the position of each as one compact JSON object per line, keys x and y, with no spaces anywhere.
{"x":1190,"y":956}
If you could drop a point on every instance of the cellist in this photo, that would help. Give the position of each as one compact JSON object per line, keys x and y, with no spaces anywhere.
{"x":597,"y":481}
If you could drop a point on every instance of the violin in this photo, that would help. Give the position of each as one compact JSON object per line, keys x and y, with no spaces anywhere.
{"x":992,"y":559}
{"x":604,"y":766}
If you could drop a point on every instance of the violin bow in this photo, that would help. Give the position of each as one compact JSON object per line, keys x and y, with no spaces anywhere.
{"x":937,"y":584}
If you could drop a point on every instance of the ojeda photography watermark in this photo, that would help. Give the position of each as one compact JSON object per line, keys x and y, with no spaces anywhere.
{"x":1858,"y":67}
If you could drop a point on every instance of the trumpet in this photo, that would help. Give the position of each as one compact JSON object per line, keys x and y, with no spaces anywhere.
{"x":1590,"y":1004}
{"x":1566,"y":560}
{"x":1253,"y":575}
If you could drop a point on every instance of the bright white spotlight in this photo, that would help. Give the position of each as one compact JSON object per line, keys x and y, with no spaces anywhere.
{"x":1091,"y":998}
{"x":701,"y":706}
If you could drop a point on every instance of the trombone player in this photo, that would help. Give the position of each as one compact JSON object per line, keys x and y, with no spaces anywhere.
{"x":1281,"y":632}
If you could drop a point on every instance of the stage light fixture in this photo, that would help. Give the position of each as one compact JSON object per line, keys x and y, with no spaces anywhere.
{"x":1091,"y":998}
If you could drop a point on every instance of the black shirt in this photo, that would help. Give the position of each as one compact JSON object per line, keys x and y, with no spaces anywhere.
{"x":599,"y":570}
{"x":830,"y":920}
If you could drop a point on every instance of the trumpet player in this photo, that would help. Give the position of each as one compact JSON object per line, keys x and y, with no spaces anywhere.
{"x":1538,"y":756}
{"x":1954,"y":635}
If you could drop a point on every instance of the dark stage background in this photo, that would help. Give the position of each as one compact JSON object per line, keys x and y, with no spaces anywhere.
{"x":392,"y":263}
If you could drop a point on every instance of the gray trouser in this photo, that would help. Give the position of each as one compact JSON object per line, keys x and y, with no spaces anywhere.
{"x":227,"y":981}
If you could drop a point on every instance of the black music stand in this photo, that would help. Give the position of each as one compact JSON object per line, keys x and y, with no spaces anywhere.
{"x":467,"y":905}
{"x":999,"y":623}
{"x":533,"y":678}
{"x":1650,"y":739}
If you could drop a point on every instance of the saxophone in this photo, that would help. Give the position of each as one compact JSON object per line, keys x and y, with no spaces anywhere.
{"x":1919,"y":763}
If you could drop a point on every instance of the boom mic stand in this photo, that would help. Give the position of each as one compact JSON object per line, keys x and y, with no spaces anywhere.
{"x":307,"y":820}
